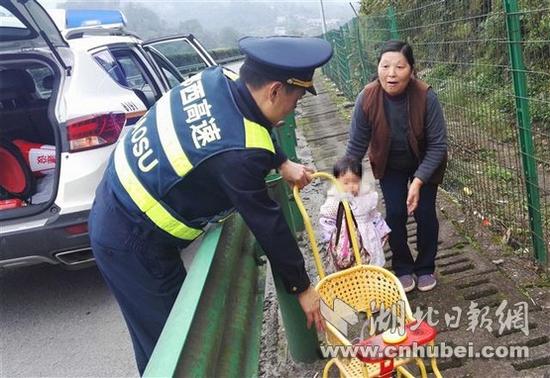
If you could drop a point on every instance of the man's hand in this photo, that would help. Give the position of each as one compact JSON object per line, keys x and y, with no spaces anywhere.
{"x":310,"y":302}
{"x":414,"y":195}
{"x":296,"y":174}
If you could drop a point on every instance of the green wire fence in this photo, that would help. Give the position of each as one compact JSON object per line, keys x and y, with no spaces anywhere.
{"x":488,"y":62}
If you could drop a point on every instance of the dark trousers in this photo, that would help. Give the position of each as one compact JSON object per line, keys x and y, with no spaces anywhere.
{"x":395,"y":189}
{"x":143,"y":272}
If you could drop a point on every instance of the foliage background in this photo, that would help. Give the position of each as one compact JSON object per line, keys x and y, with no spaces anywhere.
{"x":462,"y":49}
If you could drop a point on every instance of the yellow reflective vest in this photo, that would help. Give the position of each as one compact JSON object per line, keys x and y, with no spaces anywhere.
{"x":192,"y":122}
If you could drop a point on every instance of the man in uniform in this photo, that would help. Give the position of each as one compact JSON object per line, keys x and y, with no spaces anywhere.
{"x":202,"y":151}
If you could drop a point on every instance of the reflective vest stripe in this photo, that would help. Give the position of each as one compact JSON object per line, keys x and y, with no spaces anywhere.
{"x":146,"y":203}
{"x":257,"y":136}
{"x":169,"y":138}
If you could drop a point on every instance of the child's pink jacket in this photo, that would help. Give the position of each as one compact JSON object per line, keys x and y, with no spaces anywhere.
{"x":370,"y":223}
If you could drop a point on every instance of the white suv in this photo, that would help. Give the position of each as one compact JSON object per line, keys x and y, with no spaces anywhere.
{"x":65,"y":100}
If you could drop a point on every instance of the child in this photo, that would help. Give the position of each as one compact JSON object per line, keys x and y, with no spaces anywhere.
{"x":363,"y":201}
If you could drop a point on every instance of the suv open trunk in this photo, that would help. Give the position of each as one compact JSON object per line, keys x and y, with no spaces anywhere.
{"x":28,"y":150}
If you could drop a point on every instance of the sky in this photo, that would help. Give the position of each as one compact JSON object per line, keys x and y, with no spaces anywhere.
{"x":342,"y":6}
{"x":245,"y":17}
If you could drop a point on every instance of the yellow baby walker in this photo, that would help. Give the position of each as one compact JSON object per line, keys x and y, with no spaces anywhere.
{"x":367,"y":289}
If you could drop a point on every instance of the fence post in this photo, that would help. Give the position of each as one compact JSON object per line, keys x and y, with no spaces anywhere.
{"x":513,"y":28}
{"x":360,"y":48}
{"x":349,"y":42}
{"x":344,"y":74}
{"x":393,"y":23}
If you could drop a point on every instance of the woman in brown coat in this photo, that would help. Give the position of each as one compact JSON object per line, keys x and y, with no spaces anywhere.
{"x":399,"y":119}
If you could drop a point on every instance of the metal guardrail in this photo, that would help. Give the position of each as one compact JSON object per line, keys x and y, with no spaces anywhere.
{"x":221,"y":297}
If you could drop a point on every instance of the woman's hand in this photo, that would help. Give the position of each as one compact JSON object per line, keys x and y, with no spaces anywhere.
{"x":296,"y":174}
{"x":414,"y":195}
{"x":310,"y":302}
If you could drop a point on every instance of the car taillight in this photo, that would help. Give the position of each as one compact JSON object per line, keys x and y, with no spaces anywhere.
{"x":95,"y":131}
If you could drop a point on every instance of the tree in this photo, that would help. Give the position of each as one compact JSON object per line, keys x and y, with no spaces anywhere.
{"x":143,"y":21}
{"x":194,"y":27}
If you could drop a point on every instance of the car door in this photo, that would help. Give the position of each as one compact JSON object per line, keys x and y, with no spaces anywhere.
{"x":26,"y":26}
{"x":178,"y":57}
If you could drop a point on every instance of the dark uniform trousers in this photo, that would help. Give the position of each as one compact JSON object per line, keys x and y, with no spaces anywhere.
{"x":148,"y":269}
{"x":394,"y":185}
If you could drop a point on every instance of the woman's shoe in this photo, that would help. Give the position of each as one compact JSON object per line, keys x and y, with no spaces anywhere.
{"x":426,"y":282}
{"x":407,"y":281}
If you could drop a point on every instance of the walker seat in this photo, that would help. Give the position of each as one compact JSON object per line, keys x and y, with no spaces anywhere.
{"x":366,"y":289}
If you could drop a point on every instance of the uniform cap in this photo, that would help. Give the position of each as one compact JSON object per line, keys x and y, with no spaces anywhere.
{"x":291,"y":60}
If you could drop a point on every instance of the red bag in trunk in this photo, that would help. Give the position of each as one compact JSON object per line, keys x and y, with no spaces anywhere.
{"x":39,"y":157}
{"x":15,"y":176}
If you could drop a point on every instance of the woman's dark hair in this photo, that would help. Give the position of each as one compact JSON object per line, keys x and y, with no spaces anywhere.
{"x":396,"y":46}
{"x":345,"y":164}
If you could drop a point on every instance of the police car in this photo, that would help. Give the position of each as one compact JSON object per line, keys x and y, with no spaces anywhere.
{"x":68,"y":91}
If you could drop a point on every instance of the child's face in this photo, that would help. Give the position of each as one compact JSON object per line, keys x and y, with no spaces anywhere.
{"x":350,"y":182}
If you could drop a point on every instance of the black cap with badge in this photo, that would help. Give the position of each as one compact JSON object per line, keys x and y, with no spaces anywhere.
{"x":291,"y":60}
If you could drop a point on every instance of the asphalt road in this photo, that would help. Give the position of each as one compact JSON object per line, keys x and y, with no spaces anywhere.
{"x":55,"y":322}
{"x":61,"y":323}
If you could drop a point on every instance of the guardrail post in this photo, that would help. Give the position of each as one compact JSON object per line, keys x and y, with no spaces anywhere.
{"x":286,"y":138}
{"x":523,"y":117}
{"x":279,"y":191}
{"x":302,"y":343}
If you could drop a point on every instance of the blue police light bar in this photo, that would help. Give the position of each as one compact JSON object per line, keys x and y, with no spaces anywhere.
{"x":75,"y":18}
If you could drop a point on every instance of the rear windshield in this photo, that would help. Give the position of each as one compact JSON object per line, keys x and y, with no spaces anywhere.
{"x":12,"y":28}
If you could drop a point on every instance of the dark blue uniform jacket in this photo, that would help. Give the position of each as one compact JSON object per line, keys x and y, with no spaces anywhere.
{"x":233,"y":179}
